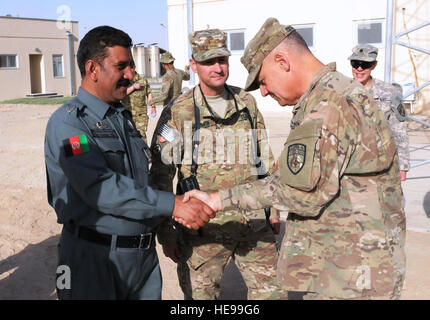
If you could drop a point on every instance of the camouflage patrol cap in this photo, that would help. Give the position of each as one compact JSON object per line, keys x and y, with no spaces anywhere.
{"x":267,"y":38}
{"x":208,"y":44}
{"x":167,"y":57}
{"x":364,"y":52}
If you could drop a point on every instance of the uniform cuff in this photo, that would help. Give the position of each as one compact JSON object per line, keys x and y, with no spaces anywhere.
{"x":165,"y":203}
{"x":228,"y":199}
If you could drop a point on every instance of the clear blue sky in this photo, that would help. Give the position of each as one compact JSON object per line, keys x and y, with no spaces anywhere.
{"x":139,"y":18}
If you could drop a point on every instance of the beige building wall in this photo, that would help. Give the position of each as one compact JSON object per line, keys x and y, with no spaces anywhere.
{"x":35,"y":41}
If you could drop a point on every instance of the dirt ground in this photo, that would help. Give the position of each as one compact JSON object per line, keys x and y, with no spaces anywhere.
{"x":29,"y":232}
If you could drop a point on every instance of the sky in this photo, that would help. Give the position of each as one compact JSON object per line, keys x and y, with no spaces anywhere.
{"x":141,"y":19}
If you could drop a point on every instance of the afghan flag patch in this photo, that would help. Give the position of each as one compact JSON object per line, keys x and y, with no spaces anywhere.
{"x":74,"y":146}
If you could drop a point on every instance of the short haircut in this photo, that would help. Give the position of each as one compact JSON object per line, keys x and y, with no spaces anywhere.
{"x":294,"y":39}
{"x":95,"y":43}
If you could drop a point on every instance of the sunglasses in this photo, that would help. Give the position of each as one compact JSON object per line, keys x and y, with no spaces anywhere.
{"x":363,"y":64}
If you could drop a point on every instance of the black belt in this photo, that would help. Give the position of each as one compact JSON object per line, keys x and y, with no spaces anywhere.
{"x":142,"y":241}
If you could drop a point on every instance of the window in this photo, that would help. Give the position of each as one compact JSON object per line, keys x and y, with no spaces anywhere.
{"x":370,"y":32}
{"x":57,"y":60}
{"x":236,"y":40}
{"x":307,"y":33}
{"x":8,"y":61}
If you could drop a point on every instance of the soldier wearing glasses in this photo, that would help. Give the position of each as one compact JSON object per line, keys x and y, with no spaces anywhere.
{"x":388,"y":96}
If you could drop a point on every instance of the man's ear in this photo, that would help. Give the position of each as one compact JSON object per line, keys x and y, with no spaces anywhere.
{"x":92,"y":70}
{"x":281,"y":60}
{"x":193,"y":65}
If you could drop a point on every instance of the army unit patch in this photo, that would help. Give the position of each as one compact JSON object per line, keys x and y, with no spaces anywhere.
{"x":74,"y":146}
{"x":296,"y":157}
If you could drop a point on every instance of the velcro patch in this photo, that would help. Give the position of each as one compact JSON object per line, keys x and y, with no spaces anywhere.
{"x":167,"y":133}
{"x":296,"y":157}
{"x":76,"y":145}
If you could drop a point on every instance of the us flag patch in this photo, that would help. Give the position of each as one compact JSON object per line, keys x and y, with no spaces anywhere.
{"x":76,"y":145}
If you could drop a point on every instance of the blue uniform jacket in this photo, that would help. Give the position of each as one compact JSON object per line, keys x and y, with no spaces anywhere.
{"x":105,"y":187}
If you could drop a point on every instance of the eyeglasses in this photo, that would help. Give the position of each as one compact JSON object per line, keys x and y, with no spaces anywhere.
{"x":363,"y":64}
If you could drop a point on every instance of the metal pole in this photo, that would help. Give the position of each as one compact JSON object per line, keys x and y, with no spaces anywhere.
{"x":189,"y":31}
{"x":71,"y":63}
{"x":389,"y":40}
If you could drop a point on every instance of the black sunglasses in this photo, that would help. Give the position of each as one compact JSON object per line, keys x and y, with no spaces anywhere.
{"x":363,"y":64}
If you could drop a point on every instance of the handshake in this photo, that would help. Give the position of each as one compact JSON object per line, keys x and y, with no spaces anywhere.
{"x":195,"y":208}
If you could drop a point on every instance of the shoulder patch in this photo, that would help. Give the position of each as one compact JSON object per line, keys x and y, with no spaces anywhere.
{"x":296,"y":157}
{"x":76,"y":145}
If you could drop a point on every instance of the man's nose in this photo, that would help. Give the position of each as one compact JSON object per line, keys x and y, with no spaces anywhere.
{"x":263,"y":90}
{"x":217,"y":67}
{"x":129,"y":73}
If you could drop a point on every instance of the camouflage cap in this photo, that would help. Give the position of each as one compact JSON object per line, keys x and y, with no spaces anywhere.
{"x":267,"y":38}
{"x":167,"y":57}
{"x":208,"y":44}
{"x":364,"y":52}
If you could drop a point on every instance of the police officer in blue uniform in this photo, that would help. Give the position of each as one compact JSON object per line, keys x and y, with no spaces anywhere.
{"x":97,"y":179}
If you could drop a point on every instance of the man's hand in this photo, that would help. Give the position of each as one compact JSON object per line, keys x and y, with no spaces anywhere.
{"x":276,"y":167}
{"x":403,"y":175}
{"x":211,"y":199}
{"x":171,"y":250}
{"x":276,"y":225}
{"x":193,"y":213}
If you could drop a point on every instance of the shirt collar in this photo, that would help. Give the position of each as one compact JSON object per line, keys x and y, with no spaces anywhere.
{"x":98,"y":106}
{"x":318,"y":76}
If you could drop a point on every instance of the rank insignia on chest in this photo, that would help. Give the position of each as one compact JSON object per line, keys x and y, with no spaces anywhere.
{"x":296,"y":157}
{"x":74,"y":146}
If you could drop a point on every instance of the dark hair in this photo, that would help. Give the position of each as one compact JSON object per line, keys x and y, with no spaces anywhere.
{"x":96,"y":41}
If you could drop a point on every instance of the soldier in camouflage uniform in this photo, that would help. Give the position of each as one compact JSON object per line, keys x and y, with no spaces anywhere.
{"x":338,"y":176}
{"x":250,"y":242}
{"x":172,"y":81}
{"x":139,"y":95}
{"x":388,"y":96}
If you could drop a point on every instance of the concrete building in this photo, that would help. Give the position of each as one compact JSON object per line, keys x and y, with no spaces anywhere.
{"x":331,"y":29}
{"x":147,"y":60}
{"x":38,"y":56}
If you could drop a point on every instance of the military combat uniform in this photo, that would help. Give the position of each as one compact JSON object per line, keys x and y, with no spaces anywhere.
{"x":137,"y":103}
{"x":97,"y":178}
{"x":172,"y":86}
{"x":250,"y":241}
{"x":389,"y":97}
{"x":339,"y":180}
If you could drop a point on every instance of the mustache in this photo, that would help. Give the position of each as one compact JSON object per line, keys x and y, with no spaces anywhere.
{"x":123,"y":83}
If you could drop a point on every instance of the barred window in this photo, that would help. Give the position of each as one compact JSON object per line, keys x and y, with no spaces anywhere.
{"x":8,"y":61}
{"x":235,"y":40}
{"x":57,"y":60}
{"x":370,"y":32}
{"x":307,"y":33}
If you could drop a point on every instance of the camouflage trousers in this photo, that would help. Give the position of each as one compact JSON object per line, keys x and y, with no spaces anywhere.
{"x":205,"y":256}
{"x":141,"y":120}
{"x":317,"y":296}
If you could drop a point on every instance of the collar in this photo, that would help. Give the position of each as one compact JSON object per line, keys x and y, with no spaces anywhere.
{"x":230,"y":103}
{"x":98,"y":106}
{"x":331,"y":67}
